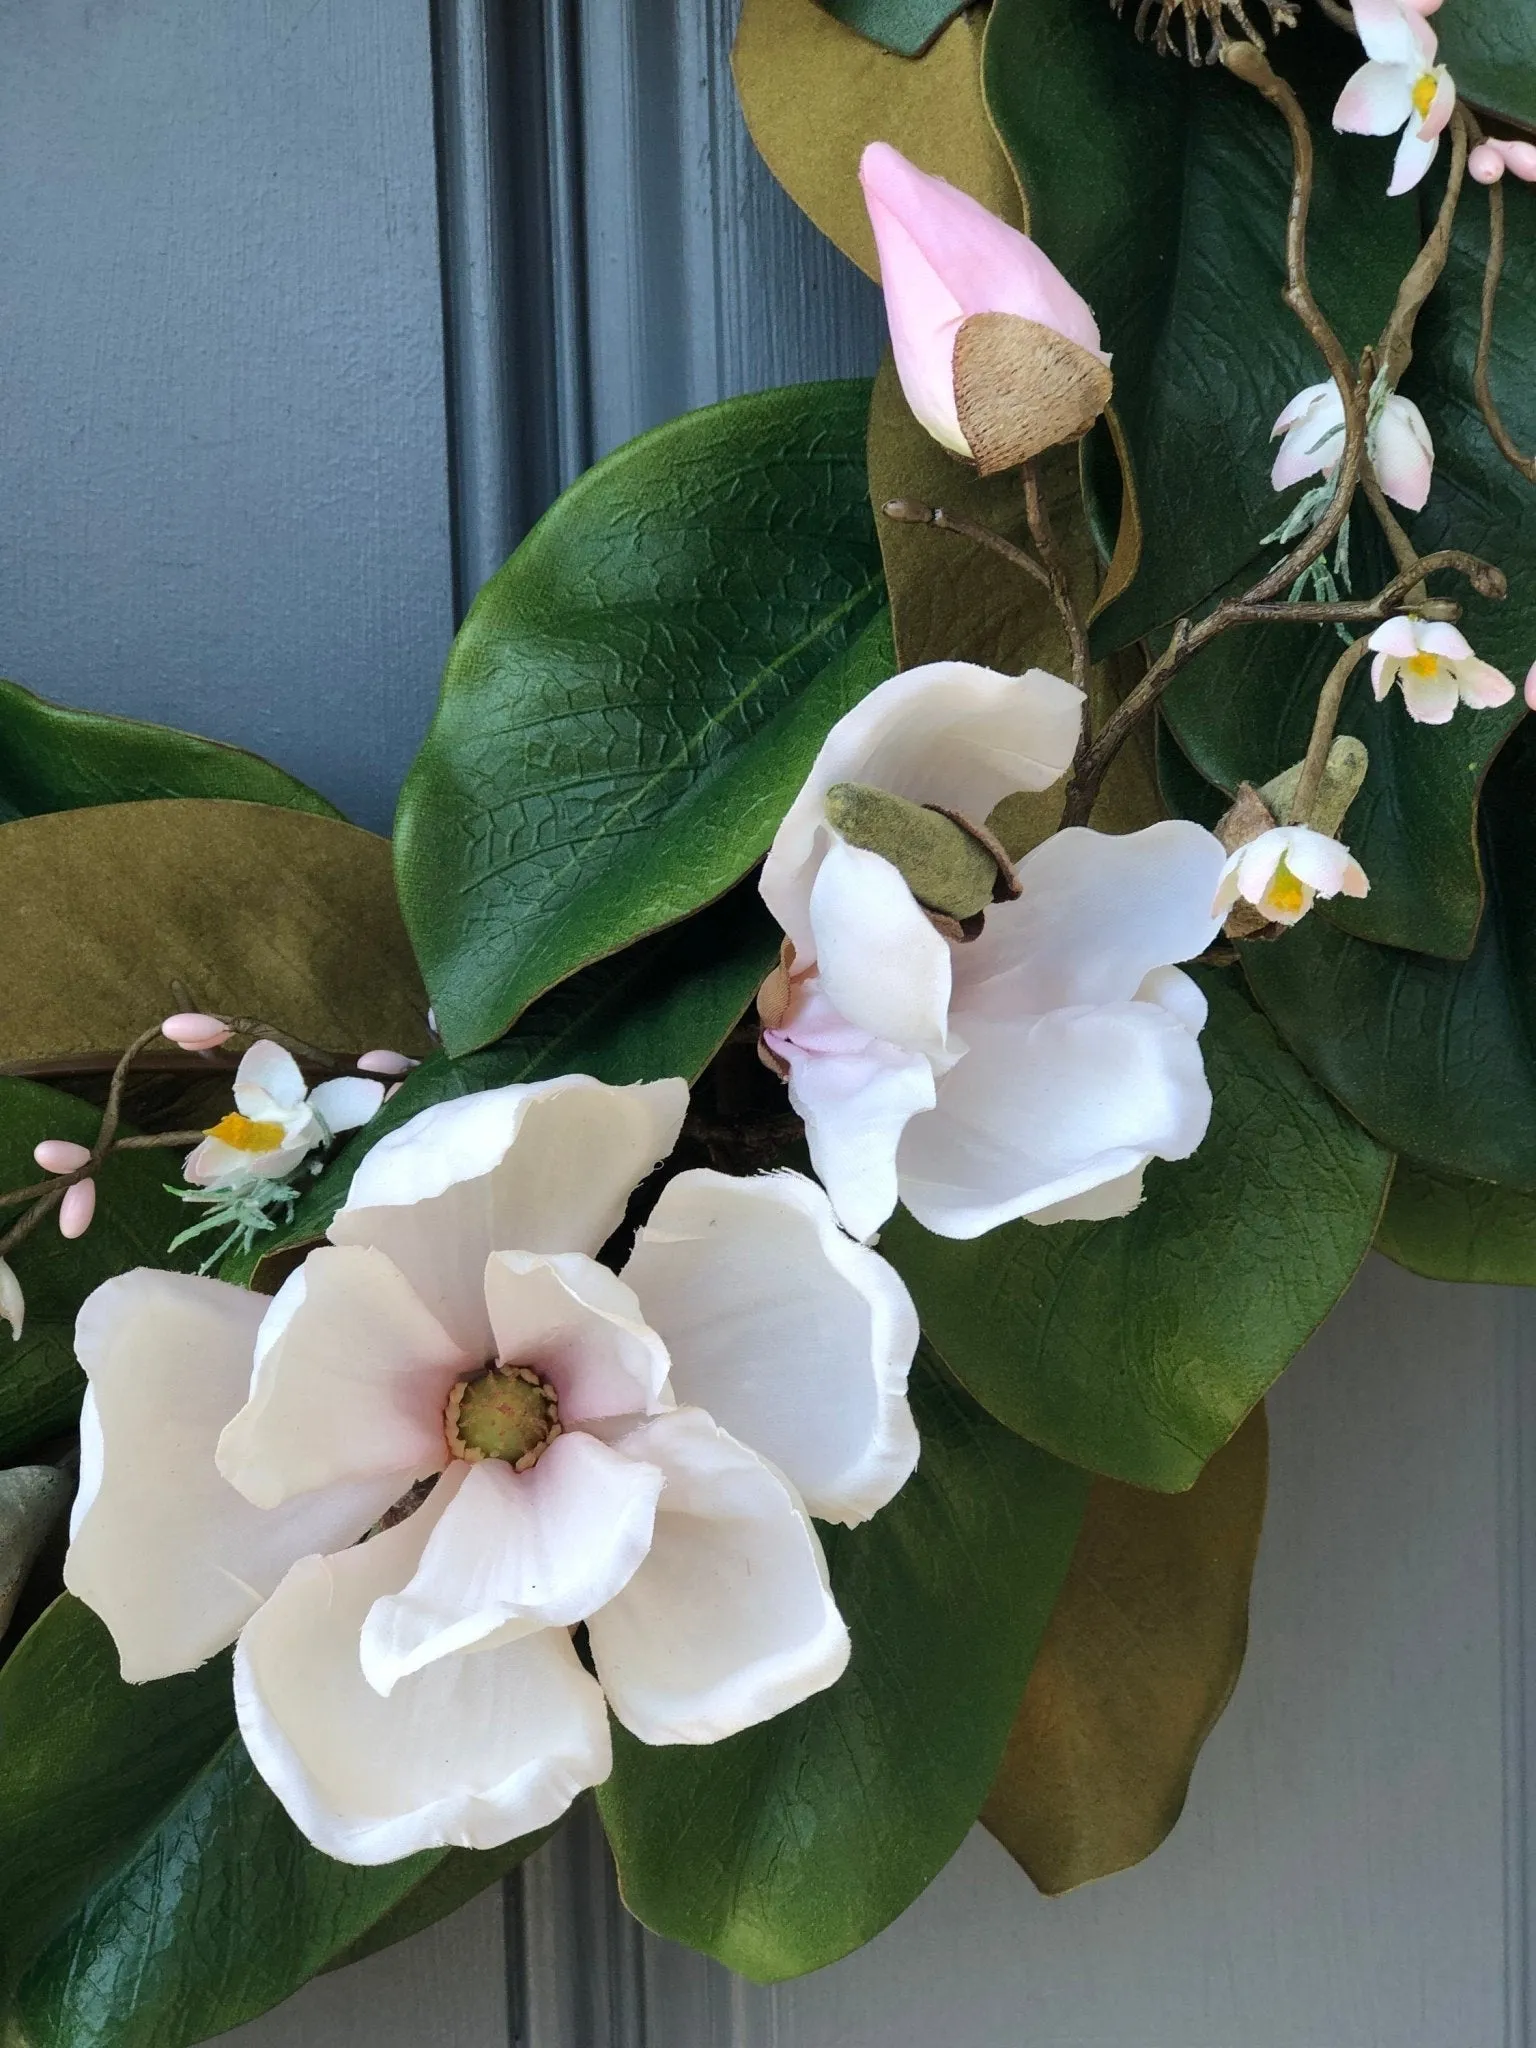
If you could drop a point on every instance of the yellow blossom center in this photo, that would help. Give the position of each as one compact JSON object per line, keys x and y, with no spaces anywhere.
{"x":1424,"y":95}
{"x":505,"y":1412}
{"x":1423,"y":665}
{"x":243,"y":1134}
{"x":1285,"y":893}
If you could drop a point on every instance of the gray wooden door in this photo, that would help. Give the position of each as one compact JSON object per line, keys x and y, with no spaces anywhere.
{"x":310,"y":306}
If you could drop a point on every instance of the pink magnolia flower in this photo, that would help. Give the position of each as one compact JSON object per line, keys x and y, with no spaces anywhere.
{"x":943,"y":259}
{"x":1436,"y":668}
{"x":1399,"y":86}
{"x":1397,"y":441}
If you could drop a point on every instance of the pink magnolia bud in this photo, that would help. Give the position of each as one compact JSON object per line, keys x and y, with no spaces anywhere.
{"x":383,"y":1061}
{"x":77,"y":1209}
{"x":944,"y":259}
{"x":1530,"y":686}
{"x":58,"y":1155}
{"x":194,"y":1031}
{"x":1486,"y":163}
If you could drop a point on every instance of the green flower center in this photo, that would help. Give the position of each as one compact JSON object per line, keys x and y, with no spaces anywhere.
{"x":505,"y":1412}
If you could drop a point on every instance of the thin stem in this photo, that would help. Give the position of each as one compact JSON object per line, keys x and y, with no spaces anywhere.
{"x":1315,"y":760}
{"x":908,"y":513}
{"x":1044,"y":536}
{"x":1339,"y":16}
{"x":1482,"y":388}
{"x":1395,"y":349}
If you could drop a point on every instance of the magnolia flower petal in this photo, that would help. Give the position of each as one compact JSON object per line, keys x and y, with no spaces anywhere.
{"x":794,"y":1339}
{"x":1482,"y":685}
{"x":542,"y":1167}
{"x":924,"y":318}
{"x":1176,"y":993}
{"x":1439,"y":636}
{"x":1403,"y":453}
{"x":267,"y":1080}
{"x":1397,"y":636}
{"x":13,"y":1303}
{"x":1442,"y":106}
{"x":855,"y":1106}
{"x":351,"y":1375}
{"x":1394,"y":34}
{"x":1107,"y":1202}
{"x":1323,"y":396}
{"x":1430,"y":700}
{"x":346,"y":1103}
{"x":1044,"y":1109}
{"x":1099,"y":911}
{"x":1376,"y":100}
{"x":730,"y":1619}
{"x":581,"y":1328}
{"x":468,"y":1753}
{"x":514,"y":1552}
{"x":1415,"y":154}
{"x":949,"y":733}
{"x":883,"y":966}
{"x":171,"y":1558}
{"x":1307,"y":450}
{"x":1322,"y":864}
{"x":1255,"y":865}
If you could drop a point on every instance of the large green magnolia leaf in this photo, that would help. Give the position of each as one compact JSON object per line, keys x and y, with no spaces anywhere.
{"x":1161,"y":191}
{"x":40,"y":1383}
{"x":1450,"y":1228}
{"x":1490,"y":50}
{"x":1136,"y":1347}
{"x":1432,"y":1056}
{"x":905,"y":26}
{"x":814,"y":93}
{"x":662,"y":1008}
{"x":56,"y":759}
{"x":637,"y":695}
{"x":119,"y":914}
{"x":1141,"y":1655}
{"x":786,"y":1847}
{"x":152,"y":1892}
{"x":1243,"y":711}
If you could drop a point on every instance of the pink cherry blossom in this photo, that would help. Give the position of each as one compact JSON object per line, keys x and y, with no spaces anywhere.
{"x":1400,"y":86}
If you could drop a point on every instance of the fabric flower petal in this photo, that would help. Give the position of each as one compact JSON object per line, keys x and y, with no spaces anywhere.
{"x":1482,"y":685}
{"x":1376,"y":100}
{"x":468,"y":1753}
{"x":794,"y":1339}
{"x":267,"y":1079}
{"x":1042,"y":1110}
{"x":883,"y":966}
{"x":346,"y":1103}
{"x":730,"y":1619}
{"x":1403,"y":453}
{"x":1430,"y":700}
{"x":581,"y":1328}
{"x":1398,"y":636}
{"x":1439,"y":636}
{"x":1393,"y":34}
{"x":540,"y":1167}
{"x":949,"y":733}
{"x":169,"y":1555}
{"x":1415,"y":153}
{"x":351,"y":1376}
{"x":514,"y":1552}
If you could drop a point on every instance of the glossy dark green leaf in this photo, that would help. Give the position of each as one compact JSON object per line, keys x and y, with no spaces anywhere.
{"x":662,"y":1008}
{"x":636,"y":696}
{"x":1136,"y":1347}
{"x":1432,"y":1056}
{"x":1243,"y":711}
{"x":56,"y":759}
{"x":86,"y":1764}
{"x":461,"y":1876}
{"x":220,"y":1910}
{"x":40,"y":1383}
{"x":1140,"y":1658}
{"x":1490,"y":50}
{"x":905,"y":26}
{"x":118,"y":914}
{"x":1161,"y":191}
{"x":788,"y":1846}
{"x":1448,"y":1227}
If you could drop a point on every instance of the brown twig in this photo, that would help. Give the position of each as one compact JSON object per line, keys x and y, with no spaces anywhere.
{"x":1395,"y":349}
{"x":1339,"y":16}
{"x":909,"y":513}
{"x":1044,"y":536}
{"x":1315,"y":760}
{"x":1482,"y":388}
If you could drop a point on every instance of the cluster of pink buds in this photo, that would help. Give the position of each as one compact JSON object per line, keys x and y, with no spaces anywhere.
{"x":62,"y":1155}
{"x":1491,"y":159}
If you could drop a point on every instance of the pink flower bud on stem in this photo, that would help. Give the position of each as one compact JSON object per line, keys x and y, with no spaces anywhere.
{"x":77,"y":1209}
{"x":60,"y":1155}
{"x":383,"y":1061}
{"x":195,"y":1031}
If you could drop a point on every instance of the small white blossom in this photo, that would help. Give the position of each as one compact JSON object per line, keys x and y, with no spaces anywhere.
{"x":13,"y":1305}
{"x":277,"y":1122}
{"x":1285,"y":870}
{"x":1435,"y":668}
{"x":1399,"y":86}
{"x":1397,"y":441}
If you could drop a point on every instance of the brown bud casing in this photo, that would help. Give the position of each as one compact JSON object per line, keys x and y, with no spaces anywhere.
{"x":1021,"y":388}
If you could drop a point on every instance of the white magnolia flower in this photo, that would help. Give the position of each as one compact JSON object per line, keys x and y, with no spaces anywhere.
{"x":1436,"y":668}
{"x":642,"y":1453}
{"x":1400,"y":86}
{"x":276,"y":1121}
{"x":1033,"y":1071}
{"x":1397,"y":441}
{"x":1285,"y":870}
{"x":13,"y":1306}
